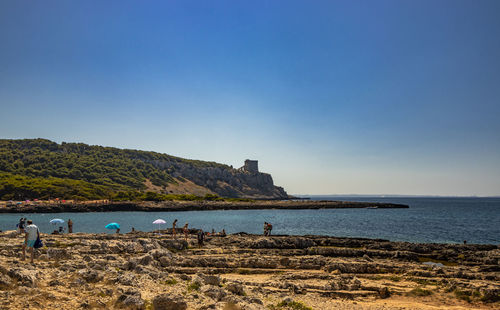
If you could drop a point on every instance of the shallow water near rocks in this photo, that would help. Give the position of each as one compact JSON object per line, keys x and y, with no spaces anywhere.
{"x":441,"y":220}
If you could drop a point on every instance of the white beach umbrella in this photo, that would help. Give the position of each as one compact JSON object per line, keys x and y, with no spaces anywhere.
{"x":159,"y":222}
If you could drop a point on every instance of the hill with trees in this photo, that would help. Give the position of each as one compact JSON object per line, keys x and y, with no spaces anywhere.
{"x":40,"y":168}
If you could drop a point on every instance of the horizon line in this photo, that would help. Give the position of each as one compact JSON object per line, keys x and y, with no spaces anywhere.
{"x":398,"y":195}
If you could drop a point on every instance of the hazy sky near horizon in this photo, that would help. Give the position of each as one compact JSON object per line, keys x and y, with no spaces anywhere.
{"x":332,"y":97}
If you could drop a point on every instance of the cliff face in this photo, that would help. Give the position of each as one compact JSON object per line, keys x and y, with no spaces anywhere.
{"x":225,"y":181}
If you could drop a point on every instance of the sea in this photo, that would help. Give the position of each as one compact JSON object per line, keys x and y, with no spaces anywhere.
{"x":429,"y":220}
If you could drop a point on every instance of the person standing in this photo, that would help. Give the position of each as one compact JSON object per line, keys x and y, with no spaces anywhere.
{"x":30,"y":236}
{"x":201,"y":238}
{"x":173,"y":229}
{"x":269,"y":228}
{"x":70,"y":226}
{"x":265,"y":228}
{"x":186,"y":231}
{"x":21,"y":225}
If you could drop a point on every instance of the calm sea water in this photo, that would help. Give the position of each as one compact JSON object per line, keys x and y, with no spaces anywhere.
{"x":441,"y":220}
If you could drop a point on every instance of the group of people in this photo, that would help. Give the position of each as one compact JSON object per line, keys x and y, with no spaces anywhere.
{"x":32,"y":233}
{"x":200,"y":233}
{"x":61,"y":229}
{"x":267,"y":228}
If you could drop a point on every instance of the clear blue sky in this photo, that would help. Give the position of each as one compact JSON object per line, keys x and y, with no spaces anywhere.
{"x":332,"y":97}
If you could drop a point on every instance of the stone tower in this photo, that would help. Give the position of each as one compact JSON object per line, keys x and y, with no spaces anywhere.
{"x":251,"y":166}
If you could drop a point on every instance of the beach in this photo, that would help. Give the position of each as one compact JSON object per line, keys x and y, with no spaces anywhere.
{"x":144,"y":270}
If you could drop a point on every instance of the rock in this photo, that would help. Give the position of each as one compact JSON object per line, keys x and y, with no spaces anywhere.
{"x":285,"y":261}
{"x":197,"y":280}
{"x":384,"y":292}
{"x":23,"y":276}
{"x":345,"y":283}
{"x":56,"y":253}
{"x":131,"y":247}
{"x":208,"y":307}
{"x":255,"y":300}
{"x":157,"y":254}
{"x":490,"y":294}
{"x":164,"y":261}
{"x":55,"y":283}
{"x":4,"y":281}
{"x":91,"y":276}
{"x":292,"y":287}
{"x":78,"y":282}
{"x":367,"y":258}
{"x":87,"y":258}
{"x":210,"y":279}
{"x":169,"y":302}
{"x":287,"y":300}
{"x":213,"y":292}
{"x":127,"y":279}
{"x":174,"y":244}
{"x":145,"y":260}
{"x":130,"y":265}
{"x":130,"y":299}
{"x":184,"y":277}
{"x":263,"y":243}
{"x":235,"y":288}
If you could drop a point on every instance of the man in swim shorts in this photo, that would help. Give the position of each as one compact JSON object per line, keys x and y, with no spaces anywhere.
{"x":30,"y":236}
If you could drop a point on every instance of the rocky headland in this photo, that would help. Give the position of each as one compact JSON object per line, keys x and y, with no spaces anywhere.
{"x":151,"y":271}
{"x":188,"y":206}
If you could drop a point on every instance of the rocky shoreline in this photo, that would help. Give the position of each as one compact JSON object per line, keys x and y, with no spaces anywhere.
{"x":190,"y":206}
{"x":242,"y":271}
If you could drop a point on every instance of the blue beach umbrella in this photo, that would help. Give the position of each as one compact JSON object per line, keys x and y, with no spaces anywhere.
{"x":56,"y":221}
{"x":112,"y":226}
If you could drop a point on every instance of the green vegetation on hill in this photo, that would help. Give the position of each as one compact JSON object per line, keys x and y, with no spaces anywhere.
{"x":17,"y":187}
{"x":39,"y":168}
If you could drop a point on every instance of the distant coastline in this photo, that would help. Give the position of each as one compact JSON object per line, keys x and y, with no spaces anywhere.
{"x":190,"y":206}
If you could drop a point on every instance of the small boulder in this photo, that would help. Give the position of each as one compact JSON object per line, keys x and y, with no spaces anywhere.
{"x":145,"y":260}
{"x":23,"y":276}
{"x":131,"y":299}
{"x":4,"y":281}
{"x":235,"y":288}
{"x":211,"y":279}
{"x":165,"y":261}
{"x":367,"y":258}
{"x":91,"y":276}
{"x":56,"y":253}
{"x":384,"y":292}
{"x":169,"y":302}
{"x":213,"y":292}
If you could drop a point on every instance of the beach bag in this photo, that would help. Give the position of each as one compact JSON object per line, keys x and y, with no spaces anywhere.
{"x":38,"y":243}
